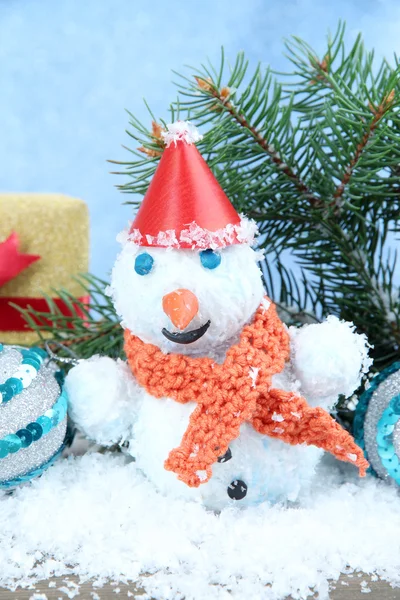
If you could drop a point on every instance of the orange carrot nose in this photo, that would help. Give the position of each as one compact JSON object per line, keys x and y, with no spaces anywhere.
{"x":181,"y":306}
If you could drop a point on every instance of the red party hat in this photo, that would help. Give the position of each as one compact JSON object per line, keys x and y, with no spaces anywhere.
{"x":185,"y":207}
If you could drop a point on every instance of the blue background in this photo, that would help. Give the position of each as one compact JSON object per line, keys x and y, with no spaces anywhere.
{"x":69,"y":68}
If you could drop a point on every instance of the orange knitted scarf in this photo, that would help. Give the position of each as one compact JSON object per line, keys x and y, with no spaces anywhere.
{"x":235,"y":392}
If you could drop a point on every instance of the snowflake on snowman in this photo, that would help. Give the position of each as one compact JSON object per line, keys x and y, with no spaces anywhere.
{"x":218,"y":401}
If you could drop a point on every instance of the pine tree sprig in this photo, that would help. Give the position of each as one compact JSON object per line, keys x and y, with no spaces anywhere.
{"x":97,"y":331}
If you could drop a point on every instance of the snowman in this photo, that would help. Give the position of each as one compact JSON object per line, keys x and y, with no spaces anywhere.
{"x":218,"y":402}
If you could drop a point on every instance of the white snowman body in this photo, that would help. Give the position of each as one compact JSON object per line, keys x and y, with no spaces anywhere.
{"x":110,"y":407}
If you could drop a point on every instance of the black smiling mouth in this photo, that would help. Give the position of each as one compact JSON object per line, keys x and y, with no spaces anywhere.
{"x":187,"y":337}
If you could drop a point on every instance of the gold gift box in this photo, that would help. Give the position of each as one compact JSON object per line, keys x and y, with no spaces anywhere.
{"x":55,"y":227}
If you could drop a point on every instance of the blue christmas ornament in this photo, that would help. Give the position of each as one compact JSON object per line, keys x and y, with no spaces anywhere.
{"x":377,"y":424}
{"x":33,"y":414}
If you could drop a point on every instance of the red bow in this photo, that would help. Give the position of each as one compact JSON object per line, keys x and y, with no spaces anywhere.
{"x":12,"y":262}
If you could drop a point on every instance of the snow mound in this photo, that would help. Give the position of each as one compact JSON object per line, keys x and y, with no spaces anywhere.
{"x":96,"y":516}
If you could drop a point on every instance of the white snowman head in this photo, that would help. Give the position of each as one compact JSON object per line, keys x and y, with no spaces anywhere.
{"x":187,"y":279}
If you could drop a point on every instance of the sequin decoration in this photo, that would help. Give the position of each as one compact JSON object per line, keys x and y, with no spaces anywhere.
{"x":23,"y":438}
{"x":33,"y":419}
{"x":23,"y":376}
{"x":377,"y":424}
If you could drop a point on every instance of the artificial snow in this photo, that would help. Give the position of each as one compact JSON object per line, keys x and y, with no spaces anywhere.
{"x":253,"y":374}
{"x":278,"y":418}
{"x":181,"y":131}
{"x":265,"y":303}
{"x":70,"y":589}
{"x":97,"y":517}
{"x":196,"y":237}
{"x":364,"y":588}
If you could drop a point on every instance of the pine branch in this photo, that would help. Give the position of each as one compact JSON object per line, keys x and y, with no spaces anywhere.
{"x":98,"y":331}
{"x":222,"y":102}
{"x":379,"y":113}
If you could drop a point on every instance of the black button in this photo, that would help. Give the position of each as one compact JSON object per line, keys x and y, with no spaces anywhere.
{"x":237,"y":490}
{"x":227,"y":456}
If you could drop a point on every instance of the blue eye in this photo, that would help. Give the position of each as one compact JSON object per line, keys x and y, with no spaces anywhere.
{"x":144,"y":264}
{"x":210,"y":259}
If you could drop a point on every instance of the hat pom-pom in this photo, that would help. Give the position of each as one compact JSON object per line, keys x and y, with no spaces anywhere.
{"x":181,"y":131}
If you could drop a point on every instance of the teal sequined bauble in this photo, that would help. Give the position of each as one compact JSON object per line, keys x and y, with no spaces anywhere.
{"x":33,"y":414}
{"x":376,"y":425}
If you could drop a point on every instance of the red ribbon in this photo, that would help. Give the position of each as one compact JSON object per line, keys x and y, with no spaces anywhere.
{"x":12,"y":262}
{"x":12,"y":320}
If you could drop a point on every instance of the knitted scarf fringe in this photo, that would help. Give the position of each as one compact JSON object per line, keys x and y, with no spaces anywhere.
{"x":235,"y":392}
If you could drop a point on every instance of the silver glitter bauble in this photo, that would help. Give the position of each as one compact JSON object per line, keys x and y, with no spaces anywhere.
{"x":33,"y":417}
{"x":377,"y":424}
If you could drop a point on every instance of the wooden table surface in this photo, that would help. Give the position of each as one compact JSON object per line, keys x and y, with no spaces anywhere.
{"x":62,"y":588}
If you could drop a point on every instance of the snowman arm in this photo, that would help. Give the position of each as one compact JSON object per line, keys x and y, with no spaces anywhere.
{"x":328,"y":359}
{"x":103,"y":397}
